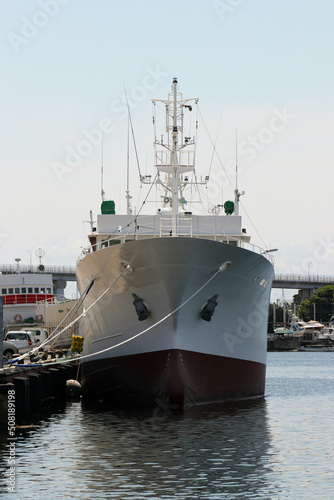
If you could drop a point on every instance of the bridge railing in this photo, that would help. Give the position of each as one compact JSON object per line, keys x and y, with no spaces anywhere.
{"x":304,"y":278}
{"x":12,"y":268}
{"x":307,"y":278}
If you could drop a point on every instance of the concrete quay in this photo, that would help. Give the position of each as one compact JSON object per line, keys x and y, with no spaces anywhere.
{"x":28,"y":389}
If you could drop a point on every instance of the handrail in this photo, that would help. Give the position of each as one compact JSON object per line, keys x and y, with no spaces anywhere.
{"x":12,"y":269}
{"x":25,"y":298}
{"x":306,"y":278}
{"x":121,"y":237}
{"x":55,"y":299}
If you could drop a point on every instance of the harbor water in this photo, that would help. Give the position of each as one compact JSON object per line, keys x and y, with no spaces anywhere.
{"x":281,"y":447}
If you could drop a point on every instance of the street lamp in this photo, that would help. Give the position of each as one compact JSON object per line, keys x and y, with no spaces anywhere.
{"x":30,"y":259}
{"x":269,"y":251}
{"x":18,"y":265}
{"x":308,"y":269}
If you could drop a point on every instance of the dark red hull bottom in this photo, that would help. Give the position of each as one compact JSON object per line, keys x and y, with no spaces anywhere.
{"x":178,"y":379}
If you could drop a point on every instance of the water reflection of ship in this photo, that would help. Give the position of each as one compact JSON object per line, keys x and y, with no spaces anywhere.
{"x":212,"y":451}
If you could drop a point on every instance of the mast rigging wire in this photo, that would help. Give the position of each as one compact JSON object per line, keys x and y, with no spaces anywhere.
{"x":229,"y":180}
{"x":136,"y":215}
{"x":133,"y":135}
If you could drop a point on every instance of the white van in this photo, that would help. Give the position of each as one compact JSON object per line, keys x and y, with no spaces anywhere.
{"x":40,"y":334}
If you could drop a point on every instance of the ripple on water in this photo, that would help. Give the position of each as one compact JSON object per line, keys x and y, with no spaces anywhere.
{"x":278,"y":448}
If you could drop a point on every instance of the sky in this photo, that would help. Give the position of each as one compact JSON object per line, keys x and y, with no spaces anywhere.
{"x":262,"y":70}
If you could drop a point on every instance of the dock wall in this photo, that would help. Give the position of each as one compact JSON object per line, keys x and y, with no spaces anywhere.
{"x":26,"y":391}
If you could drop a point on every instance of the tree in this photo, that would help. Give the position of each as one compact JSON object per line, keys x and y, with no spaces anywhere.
{"x":297,"y":299}
{"x":322,"y":302}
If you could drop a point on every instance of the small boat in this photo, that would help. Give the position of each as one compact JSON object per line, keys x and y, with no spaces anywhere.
{"x":175,"y":302}
{"x":314,"y":325}
{"x":282,"y":331}
{"x":316,"y":348}
{"x":310,"y":331}
{"x":327,"y":333}
{"x":297,"y":326}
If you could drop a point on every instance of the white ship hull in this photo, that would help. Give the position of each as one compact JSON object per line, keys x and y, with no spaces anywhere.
{"x":182,"y":360}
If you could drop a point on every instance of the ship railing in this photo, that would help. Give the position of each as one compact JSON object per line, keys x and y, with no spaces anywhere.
{"x":55,"y":299}
{"x":64,"y":340}
{"x":186,"y":159}
{"x":108,"y":242}
{"x":186,"y":226}
{"x":24,"y":298}
{"x":256,"y":249}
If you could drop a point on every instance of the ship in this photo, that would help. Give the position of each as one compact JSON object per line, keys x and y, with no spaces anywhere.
{"x":21,"y":290}
{"x":29,"y":301}
{"x":175,"y":302}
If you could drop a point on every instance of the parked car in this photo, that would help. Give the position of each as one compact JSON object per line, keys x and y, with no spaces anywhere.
{"x":24,"y":341}
{"x":9,"y":348}
{"x":40,"y":334}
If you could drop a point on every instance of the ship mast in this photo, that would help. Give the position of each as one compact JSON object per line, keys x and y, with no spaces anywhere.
{"x":237,"y":193}
{"x":128,"y":196}
{"x":175,"y":156}
{"x":175,"y":190}
{"x":102,"y":190}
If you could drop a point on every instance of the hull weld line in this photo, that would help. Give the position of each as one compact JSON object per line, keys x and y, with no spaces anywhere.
{"x":106,"y":338}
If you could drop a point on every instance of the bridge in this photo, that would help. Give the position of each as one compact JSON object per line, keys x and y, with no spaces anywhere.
{"x":307,"y":284}
{"x":60,"y":274}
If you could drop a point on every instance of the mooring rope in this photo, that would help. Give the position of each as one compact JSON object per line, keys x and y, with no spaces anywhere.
{"x":74,"y":321}
{"x":63,"y":361}
{"x":53,"y":335}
